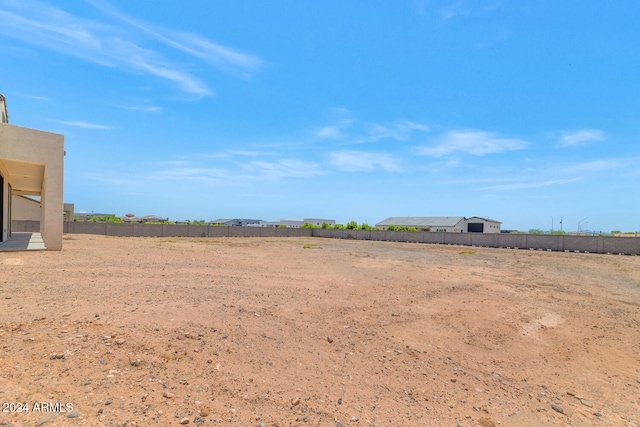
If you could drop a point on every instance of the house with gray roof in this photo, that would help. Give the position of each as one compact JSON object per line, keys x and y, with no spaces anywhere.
{"x":443,"y":224}
{"x":235,"y":222}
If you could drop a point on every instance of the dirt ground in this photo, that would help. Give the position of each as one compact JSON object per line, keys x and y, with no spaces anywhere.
{"x":119,"y":331}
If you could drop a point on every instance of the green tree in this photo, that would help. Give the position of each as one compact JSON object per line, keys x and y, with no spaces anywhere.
{"x":282,"y":226}
{"x":113,"y":219}
{"x":535,"y":231}
{"x":391,"y":227}
{"x":352,"y":225}
{"x":325,"y":225}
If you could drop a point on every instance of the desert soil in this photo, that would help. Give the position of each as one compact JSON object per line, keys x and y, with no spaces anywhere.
{"x":319,"y":332}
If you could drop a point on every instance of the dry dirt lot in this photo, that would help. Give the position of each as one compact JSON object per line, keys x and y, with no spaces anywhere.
{"x":316,"y":332}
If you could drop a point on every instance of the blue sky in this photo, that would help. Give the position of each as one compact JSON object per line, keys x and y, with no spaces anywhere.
{"x":523,"y":112}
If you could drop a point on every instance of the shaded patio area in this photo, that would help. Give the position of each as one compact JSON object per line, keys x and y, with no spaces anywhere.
{"x":23,"y":242}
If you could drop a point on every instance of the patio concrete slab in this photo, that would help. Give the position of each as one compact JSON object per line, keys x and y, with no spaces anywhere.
{"x":23,"y":242}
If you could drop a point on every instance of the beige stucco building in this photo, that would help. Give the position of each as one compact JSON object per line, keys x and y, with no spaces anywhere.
{"x":31,"y":164}
{"x":444,"y":224}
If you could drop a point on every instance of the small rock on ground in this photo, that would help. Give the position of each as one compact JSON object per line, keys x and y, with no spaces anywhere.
{"x":585,"y":402}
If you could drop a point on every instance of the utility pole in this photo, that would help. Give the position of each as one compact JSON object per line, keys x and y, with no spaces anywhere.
{"x":580,"y":224}
{"x":561,"y":218}
{"x":551,"y":224}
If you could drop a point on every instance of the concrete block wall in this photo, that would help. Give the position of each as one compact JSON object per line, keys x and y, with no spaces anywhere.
{"x":25,"y":226}
{"x":216,"y":231}
{"x":235,"y":231}
{"x":620,"y":245}
{"x":413,"y":237}
{"x":512,"y":241}
{"x":123,"y":230}
{"x":437,"y":238}
{"x":458,"y":238}
{"x":593,"y":244}
{"x":252,"y":231}
{"x":536,"y":241}
{"x":148,"y":230}
{"x":268,"y":231}
{"x":580,"y":243}
{"x":482,"y":239}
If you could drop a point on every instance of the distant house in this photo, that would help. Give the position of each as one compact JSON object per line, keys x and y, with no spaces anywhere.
{"x":444,"y":224}
{"x":318,"y":221}
{"x":449,"y":224}
{"x":131,"y":218}
{"x":235,"y":222}
{"x":84,"y":216}
{"x":476,"y":224}
{"x":297,"y":223}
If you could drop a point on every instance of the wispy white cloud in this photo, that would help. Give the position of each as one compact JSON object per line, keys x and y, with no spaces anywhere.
{"x":533,"y":184}
{"x":236,"y":174}
{"x":570,"y":139}
{"x":399,"y":131}
{"x":145,"y":108}
{"x":330,"y":132}
{"x":240,"y":153}
{"x":38,"y":97}
{"x":352,"y":131}
{"x":453,"y":10}
{"x":468,"y":7}
{"x":477,"y":143}
{"x":220,"y":56}
{"x":112,"y":45}
{"x":186,"y":174}
{"x":362,"y":161}
{"x":342,"y":120}
{"x":595,"y":166}
{"x":283,"y":168}
{"x":85,"y":125}
{"x":176,"y":163}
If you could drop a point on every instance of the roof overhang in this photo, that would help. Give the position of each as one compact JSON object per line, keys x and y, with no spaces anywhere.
{"x":27,"y":177}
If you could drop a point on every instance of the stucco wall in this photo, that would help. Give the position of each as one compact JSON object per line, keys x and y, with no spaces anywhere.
{"x":23,"y":208}
{"x":40,"y":148}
